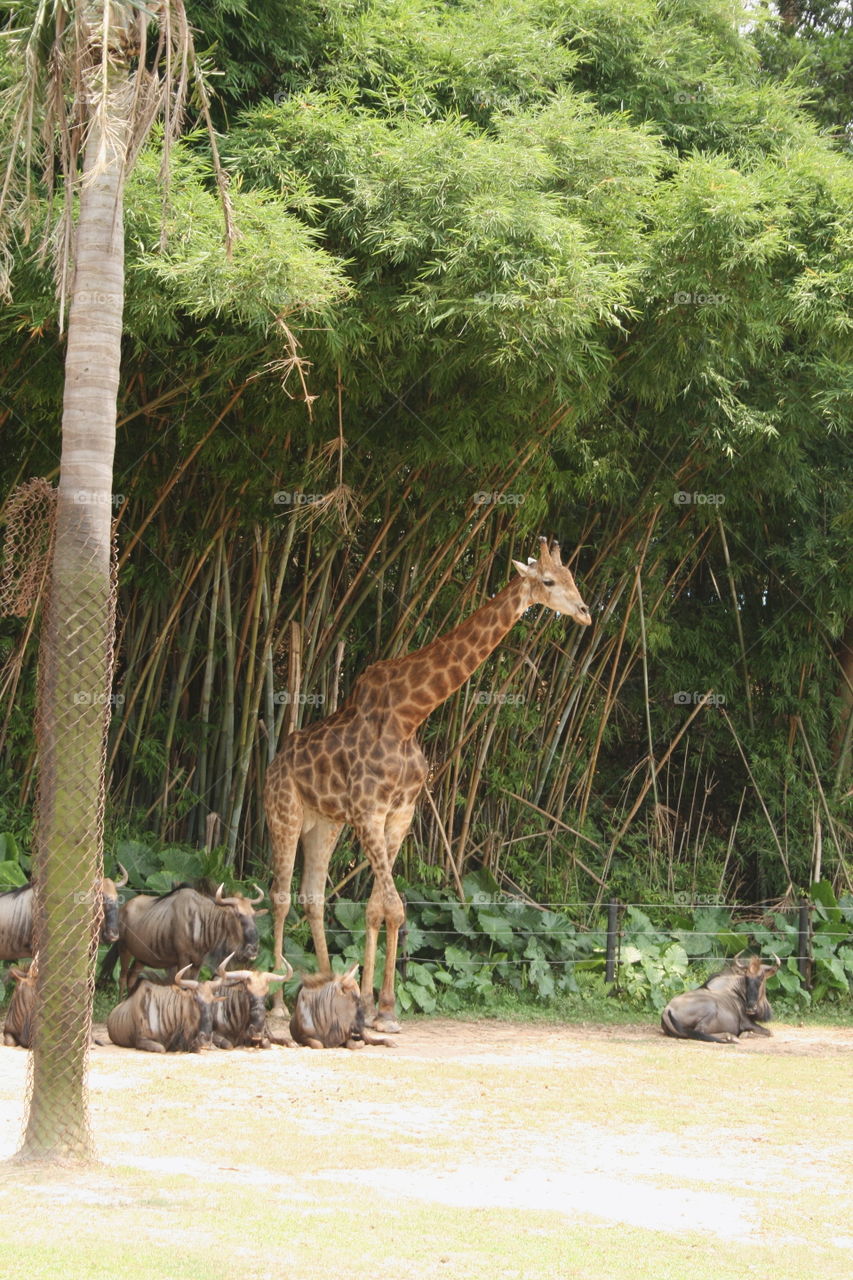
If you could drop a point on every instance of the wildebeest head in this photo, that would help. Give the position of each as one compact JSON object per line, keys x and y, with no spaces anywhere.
{"x":754,"y":974}
{"x":244,"y":909}
{"x":253,"y":990}
{"x":18,"y":1028}
{"x":110,"y":905}
{"x":205,"y":994}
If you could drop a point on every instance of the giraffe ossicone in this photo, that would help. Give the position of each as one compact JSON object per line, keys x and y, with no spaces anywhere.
{"x":362,"y":766}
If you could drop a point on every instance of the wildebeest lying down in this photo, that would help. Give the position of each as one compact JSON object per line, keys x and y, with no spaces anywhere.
{"x":18,"y":1028}
{"x":729,"y":1003}
{"x":329,"y":1014}
{"x":239,"y":1016}
{"x":167,"y":1019}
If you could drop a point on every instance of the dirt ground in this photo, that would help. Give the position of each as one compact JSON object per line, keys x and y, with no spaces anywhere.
{"x":451,"y":1040}
{"x":515,"y":1151}
{"x":457,"y":1041}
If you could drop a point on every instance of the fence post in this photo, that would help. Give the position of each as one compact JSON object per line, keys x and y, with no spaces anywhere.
{"x":612,"y":939}
{"x":804,"y":949}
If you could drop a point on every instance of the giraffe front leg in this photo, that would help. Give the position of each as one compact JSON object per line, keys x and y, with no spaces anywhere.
{"x":384,"y":907}
{"x":386,"y":1019}
{"x":397,"y":824}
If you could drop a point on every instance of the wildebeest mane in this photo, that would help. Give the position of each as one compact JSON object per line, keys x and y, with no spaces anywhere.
{"x":176,"y":888}
{"x":311,"y":980}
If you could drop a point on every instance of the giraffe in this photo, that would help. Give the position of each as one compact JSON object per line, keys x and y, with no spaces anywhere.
{"x":362,"y":766}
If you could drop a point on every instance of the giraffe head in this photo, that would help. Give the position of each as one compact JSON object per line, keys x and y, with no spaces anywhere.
{"x":550,"y":583}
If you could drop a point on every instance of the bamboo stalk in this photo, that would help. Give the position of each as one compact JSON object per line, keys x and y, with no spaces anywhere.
{"x":821,"y":793}
{"x":738,"y":623}
{"x":760,"y":797}
{"x":647,"y":784}
{"x":207,"y":687}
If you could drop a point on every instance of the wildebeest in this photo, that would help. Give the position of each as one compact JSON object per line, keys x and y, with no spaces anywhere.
{"x":16,"y":917}
{"x":18,"y":1028}
{"x":166,"y":1019}
{"x":729,"y":1003}
{"x":239,"y":1017}
{"x":328,"y":1013}
{"x":183,"y":928}
{"x":109,"y":899}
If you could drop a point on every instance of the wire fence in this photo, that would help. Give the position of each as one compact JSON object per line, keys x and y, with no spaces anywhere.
{"x":721,"y":925}
{"x":54,"y":559}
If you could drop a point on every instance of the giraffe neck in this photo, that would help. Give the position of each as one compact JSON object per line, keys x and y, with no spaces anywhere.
{"x":419,"y":682}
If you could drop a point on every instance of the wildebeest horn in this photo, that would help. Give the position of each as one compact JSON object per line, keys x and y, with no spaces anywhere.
{"x":181,"y":981}
{"x":224,"y":902}
{"x":119,"y":884}
{"x":741,"y":964}
{"x":351,"y":972}
{"x":221,"y":968}
{"x":278,"y":977}
{"x":259,"y":898}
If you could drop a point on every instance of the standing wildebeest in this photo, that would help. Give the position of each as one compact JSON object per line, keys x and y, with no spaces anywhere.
{"x":18,"y":1028}
{"x":182,"y":928}
{"x":729,"y":1003}
{"x":16,"y":917}
{"x":329,"y":1013}
{"x":239,"y":1016}
{"x":167,"y":1019}
{"x":109,"y":899}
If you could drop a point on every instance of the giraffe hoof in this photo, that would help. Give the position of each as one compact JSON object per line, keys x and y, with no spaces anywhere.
{"x":385,"y":1024}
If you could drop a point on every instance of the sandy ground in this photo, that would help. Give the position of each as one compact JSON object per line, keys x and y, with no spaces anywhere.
{"x":612,"y":1125}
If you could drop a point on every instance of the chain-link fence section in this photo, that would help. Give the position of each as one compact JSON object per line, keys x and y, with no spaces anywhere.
{"x":29,"y":513}
{"x":77,"y":591}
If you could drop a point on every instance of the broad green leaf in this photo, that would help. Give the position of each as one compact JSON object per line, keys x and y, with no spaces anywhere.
{"x":495,"y":926}
{"x":11,"y":875}
{"x":821,"y":893}
{"x":350,"y":915}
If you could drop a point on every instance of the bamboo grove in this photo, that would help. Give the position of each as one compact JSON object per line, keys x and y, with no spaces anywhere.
{"x":575,"y":269}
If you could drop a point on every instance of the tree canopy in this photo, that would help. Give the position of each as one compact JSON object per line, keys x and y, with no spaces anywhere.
{"x":577,"y":268}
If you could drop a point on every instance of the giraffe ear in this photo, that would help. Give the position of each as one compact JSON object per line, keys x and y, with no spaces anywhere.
{"x":524,"y":569}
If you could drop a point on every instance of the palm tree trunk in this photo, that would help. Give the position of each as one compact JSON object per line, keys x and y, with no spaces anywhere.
{"x":76,"y":660}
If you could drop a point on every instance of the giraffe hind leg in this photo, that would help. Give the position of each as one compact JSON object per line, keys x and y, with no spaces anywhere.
{"x":284,"y":811}
{"x":319,"y":837}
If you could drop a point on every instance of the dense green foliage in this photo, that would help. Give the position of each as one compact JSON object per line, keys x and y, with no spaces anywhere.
{"x":578,"y":267}
{"x":476,"y":952}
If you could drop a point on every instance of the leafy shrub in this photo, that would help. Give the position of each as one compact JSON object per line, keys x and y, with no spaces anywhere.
{"x":14,"y":864}
{"x":657,"y":963}
{"x":491,"y":947}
